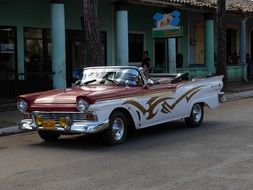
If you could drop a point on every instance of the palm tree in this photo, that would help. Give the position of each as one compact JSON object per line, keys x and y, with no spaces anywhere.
{"x":221,"y":39}
{"x":90,"y":23}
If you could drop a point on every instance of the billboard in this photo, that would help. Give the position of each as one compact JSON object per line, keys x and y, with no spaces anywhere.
{"x":167,"y":25}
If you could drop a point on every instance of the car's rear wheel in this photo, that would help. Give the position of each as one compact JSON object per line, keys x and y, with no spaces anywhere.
{"x":196,"y":117}
{"x":49,"y":135}
{"x":117,"y":131}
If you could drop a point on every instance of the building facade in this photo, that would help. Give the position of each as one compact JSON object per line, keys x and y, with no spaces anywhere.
{"x":43,"y":41}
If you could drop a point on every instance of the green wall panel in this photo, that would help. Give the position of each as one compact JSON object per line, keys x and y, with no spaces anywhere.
{"x":140,"y":19}
{"x":36,"y":14}
{"x":235,"y":73}
{"x":31,"y":13}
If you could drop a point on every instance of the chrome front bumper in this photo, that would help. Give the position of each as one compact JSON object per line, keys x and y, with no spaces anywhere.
{"x":85,"y":127}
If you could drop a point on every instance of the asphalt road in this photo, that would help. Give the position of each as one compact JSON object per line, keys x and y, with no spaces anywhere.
{"x":218,"y":155}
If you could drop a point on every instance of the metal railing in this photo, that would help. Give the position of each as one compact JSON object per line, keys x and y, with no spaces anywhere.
{"x":12,"y":85}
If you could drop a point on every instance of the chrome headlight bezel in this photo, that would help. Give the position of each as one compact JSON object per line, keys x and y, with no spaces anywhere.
{"x":82,"y":105}
{"x":22,"y":105}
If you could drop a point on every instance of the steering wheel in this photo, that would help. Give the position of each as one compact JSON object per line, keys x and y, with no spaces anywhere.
{"x":112,"y":81}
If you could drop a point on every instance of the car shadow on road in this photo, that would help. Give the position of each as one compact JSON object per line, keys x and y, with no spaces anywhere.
{"x":156,"y":135}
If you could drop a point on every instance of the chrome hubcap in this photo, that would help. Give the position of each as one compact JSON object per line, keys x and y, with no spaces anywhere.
{"x":118,"y":129}
{"x":196,"y":112}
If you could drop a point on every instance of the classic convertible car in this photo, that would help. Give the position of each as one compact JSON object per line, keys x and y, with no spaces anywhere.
{"x":111,"y":100}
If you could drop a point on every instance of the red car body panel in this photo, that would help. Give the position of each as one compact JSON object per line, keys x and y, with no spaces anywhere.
{"x":65,"y":99}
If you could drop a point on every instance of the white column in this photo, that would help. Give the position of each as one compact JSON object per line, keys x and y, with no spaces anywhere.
{"x":121,"y":33}
{"x":58,"y":43}
{"x":209,"y":42}
{"x":172,"y":55}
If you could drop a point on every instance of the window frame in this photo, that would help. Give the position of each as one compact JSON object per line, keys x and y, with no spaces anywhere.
{"x":15,"y":38}
{"x":45,"y":38}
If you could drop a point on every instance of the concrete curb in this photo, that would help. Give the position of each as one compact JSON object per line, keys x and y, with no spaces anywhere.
{"x":239,"y":95}
{"x":10,"y":131}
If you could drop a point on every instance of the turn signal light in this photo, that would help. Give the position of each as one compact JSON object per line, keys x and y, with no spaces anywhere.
{"x":90,"y":117}
{"x":38,"y":120}
{"x":63,"y":122}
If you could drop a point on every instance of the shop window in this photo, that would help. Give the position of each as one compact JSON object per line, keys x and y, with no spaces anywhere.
{"x":37,"y":50}
{"x":33,"y":50}
{"x":136,"y":47}
{"x":8,"y":52}
{"x":251,"y":43}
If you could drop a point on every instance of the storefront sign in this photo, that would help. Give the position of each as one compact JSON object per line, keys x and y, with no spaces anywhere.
{"x":167,"y":33}
{"x":167,"y":25}
{"x":7,"y":48}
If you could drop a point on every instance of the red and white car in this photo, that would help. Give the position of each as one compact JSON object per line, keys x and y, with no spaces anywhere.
{"x":111,"y":100}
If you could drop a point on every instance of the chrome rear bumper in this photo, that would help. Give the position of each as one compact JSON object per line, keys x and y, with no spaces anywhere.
{"x":222,"y":97}
{"x":85,"y":127}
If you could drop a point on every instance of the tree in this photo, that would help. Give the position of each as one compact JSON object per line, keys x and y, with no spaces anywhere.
{"x":90,"y":24}
{"x":221,"y":39}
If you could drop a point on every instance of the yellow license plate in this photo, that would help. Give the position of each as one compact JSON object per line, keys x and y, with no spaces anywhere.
{"x":48,"y":124}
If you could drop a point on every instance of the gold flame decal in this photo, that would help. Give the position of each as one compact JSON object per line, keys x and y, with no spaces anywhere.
{"x":166,"y":107}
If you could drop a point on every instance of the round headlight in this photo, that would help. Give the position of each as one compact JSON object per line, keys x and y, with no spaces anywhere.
{"x":22,"y":105}
{"x":82,"y":105}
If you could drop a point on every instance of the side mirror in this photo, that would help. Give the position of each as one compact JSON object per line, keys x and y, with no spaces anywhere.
{"x":210,"y":75}
{"x":77,"y":83}
{"x":150,"y":82}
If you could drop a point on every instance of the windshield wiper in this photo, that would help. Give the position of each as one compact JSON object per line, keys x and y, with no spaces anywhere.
{"x":89,"y":81}
{"x":112,"y":81}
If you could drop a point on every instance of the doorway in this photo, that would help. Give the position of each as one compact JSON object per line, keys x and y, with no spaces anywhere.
{"x":77,"y":58}
{"x":251,"y":43}
{"x":160,"y":55}
{"x":231,"y":38}
{"x":199,"y":48}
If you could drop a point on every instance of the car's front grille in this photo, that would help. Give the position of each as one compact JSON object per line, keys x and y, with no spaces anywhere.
{"x":57,"y":115}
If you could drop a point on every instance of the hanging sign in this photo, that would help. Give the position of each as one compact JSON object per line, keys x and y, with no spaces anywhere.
{"x":7,"y":48}
{"x":167,"y":25}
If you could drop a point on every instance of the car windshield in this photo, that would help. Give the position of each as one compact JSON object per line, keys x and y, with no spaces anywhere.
{"x":117,"y":76}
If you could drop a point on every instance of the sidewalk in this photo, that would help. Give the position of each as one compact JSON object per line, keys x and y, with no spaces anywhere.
{"x":10,"y":116}
{"x":9,"y":120}
{"x":236,"y":91}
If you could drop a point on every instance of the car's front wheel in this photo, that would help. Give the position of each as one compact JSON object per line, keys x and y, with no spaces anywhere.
{"x":196,"y":117}
{"x":49,"y":135}
{"x":117,"y":131}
